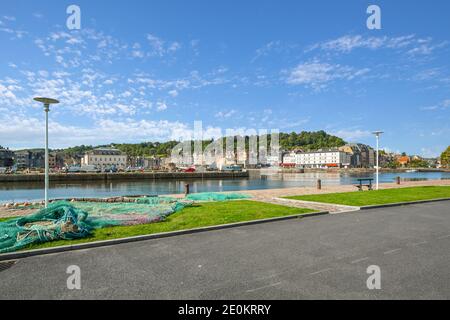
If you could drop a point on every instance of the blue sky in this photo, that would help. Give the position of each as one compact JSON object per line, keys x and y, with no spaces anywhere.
{"x":146,"y":70}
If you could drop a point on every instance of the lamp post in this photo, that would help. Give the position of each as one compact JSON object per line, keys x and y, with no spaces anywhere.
{"x":377,"y":135}
{"x":47,"y":102}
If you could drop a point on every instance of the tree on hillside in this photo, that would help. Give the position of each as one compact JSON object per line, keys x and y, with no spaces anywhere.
{"x":418,"y":163}
{"x":445,"y":157}
{"x":288,"y":141}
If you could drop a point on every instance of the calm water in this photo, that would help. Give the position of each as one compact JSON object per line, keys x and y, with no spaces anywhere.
{"x":32,"y":191}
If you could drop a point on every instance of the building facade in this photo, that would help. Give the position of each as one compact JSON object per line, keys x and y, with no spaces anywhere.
{"x":362,"y":156}
{"x":27,"y":159}
{"x":331,"y":158}
{"x":104,"y":158}
{"x":153,"y":163}
{"x":323,"y":159}
{"x":6,"y":158}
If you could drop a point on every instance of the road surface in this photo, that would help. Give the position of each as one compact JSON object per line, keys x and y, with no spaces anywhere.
{"x":323,"y":257}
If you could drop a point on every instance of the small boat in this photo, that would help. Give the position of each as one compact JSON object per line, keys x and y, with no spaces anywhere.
{"x":411,"y":170}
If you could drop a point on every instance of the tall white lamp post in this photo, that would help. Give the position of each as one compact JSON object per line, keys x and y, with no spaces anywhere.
{"x":377,"y":135}
{"x":47,"y":102}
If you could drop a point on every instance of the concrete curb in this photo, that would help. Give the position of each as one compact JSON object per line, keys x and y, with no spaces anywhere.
{"x":30,"y":253}
{"x":398,"y":204}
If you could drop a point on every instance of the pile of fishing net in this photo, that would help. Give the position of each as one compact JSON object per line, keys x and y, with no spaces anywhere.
{"x":212,"y":196}
{"x":59,"y":221}
{"x":64,"y":220}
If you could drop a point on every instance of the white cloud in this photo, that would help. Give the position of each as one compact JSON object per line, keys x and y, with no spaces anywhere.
{"x":156,"y":44}
{"x":9,"y":18}
{"x":432,"y":152}
{"x":17,"y":34}
{"x":195,"y":46}
{"x":266,"y":49}
{"x":443,"y":105}
{"x":411,"y":44}
{"x":174,"y":46}
{"x":317,"y":75}
{"x":160,"y":48}
{"x":28,"y":132}
{"x":85,"y":47}
{"x":161,"y":106}
{"x":351,"y":135}
{"x":173,"y":93}
{"x":225,"y":114}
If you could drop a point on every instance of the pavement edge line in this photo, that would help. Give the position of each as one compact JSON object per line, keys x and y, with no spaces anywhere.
{"x":398,"y":204}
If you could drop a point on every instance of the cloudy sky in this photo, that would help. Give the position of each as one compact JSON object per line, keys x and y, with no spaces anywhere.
{"x":146,"y":70}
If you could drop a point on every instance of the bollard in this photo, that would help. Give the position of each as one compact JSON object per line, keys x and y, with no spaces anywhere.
{"x":186,"y":189}
{"x":398,"y":180}
{"x":319,"y":184}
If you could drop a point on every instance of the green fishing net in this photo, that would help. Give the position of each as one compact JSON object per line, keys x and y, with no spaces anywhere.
{"x":212,"y":196}
{"x":64,"y":220}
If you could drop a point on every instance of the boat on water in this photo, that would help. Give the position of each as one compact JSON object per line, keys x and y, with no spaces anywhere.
{"x":411,"y":170}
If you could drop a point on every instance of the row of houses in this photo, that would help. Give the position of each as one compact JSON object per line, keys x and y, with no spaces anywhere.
{"x":352,"y":155}
{"x":101,"y":158}
{"x":355,"y":155}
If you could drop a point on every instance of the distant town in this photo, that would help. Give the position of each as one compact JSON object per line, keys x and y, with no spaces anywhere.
{"x":306,"y":150}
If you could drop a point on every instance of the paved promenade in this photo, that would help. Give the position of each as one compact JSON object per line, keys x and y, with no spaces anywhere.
{"x":323,"y":257}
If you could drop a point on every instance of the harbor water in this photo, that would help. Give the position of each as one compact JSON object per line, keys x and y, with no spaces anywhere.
{"x":12,"y":192}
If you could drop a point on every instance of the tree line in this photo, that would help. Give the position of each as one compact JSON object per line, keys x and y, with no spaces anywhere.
{"x":304,"y":140}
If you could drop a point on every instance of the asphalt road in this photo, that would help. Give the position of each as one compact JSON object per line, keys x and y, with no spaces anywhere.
{"x":323,"y":257}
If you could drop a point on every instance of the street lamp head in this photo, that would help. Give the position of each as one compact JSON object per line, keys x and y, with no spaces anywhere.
{"x":46,"y":100}
{"x":377,"y":133}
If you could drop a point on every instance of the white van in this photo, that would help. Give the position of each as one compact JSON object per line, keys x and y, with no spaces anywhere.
{"x":89,"y":169}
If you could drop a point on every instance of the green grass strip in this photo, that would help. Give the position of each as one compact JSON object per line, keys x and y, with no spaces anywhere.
{"x":385,"y":196}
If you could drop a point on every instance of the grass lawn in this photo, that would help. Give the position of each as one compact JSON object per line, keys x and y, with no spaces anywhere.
{"x":199,"y":215}
{"x":367,"y":198}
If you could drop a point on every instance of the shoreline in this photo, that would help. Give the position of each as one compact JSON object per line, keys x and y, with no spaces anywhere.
{"x":351,"y":170}
{"x":80,"y":177}
{"x":86,"y":177}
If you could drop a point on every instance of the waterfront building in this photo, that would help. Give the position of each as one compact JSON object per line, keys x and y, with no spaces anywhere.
{"x":103,"y":158}
{"x":275,"y":160}
{"x":403,"y":160}
{"x":386,"y":158}
{"x":153,"y":163}
{"x":432,"y":162}
{"x":72,"y":160}
{"x":323,"y":158}
{"x":27,"y":159}
{"x":289,"y":159}
{"x":55,"y":160}
{"x":362,"y":156}
{"x":6,"y":158}
{"x":22,"y":158}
